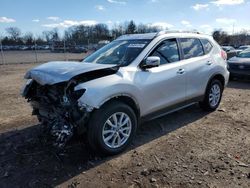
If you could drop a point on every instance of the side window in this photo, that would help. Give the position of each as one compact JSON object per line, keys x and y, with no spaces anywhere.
{"x":206,"y":45}
{"x":191,"y":47}
{"x":167,"y":51}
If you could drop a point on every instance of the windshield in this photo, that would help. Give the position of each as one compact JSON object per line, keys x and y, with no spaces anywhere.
{"x":120,"y":52}
{"x":227,"y":48}
{"x":245,"y":54}
{"x":243,"y":47}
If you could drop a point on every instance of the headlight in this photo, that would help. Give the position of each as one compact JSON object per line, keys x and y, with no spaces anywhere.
{"x":26,"y":87}
{"x":77,"y":94}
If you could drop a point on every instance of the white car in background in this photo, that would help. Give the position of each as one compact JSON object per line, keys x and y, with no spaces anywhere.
{"x":132,"y":79}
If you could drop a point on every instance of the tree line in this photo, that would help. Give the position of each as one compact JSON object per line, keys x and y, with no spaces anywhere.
{"x":83,"y":34}
{"x":80,"y":34}
{"x":236,"y":40}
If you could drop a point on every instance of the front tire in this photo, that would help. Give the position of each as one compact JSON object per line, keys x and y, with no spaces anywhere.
{"x":112,"y":128}
{"x":213,"y":96}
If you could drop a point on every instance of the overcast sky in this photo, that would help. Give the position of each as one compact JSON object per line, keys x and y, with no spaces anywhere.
{"x":203,"y":15}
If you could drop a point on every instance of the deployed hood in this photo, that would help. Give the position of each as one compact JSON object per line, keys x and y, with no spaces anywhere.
{"x":61,"y":71}
{"x":239,"y":60}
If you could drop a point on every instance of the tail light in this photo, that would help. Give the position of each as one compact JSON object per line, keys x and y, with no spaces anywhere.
{"x":223,"y":54}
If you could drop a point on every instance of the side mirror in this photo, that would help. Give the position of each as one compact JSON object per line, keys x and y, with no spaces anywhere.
{"x":150,"y":62}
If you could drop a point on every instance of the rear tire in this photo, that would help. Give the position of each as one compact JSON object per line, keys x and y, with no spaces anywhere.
{"x":213,"y":96}
{"x":112,"y":128}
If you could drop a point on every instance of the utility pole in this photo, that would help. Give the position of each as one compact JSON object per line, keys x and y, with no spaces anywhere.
{"x":64,"y":50}
{"x":233,"y":35}
{"x":35,"y":50}
{"x":2,"y":55}
{"x":233,"y":28}
{"x":88,"y":43}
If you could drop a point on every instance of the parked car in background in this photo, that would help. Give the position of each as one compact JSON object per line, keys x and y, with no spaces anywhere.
{"x":78,"y":49}
{"x":242,"y":48}
{"x":227,"y":48}
{"x":231,"y":51}
{"x":42,"y":47}
{"x":239,"y":66}
{"x":132,"y":79}
{"x":24,"y":48}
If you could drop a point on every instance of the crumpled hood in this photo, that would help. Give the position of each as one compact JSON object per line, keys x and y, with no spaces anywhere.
{"x":61,"y":71}
{"x":239,"y":60}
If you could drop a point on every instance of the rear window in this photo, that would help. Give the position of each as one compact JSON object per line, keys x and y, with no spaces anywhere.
{"x":191,"y":47}
{"x":244,"y":54}
{"x":206,"y":45}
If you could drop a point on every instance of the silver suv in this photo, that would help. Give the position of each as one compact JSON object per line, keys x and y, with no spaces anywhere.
{"x":132,"y":79}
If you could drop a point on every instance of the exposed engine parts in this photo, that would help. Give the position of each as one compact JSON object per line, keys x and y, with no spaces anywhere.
{"x":57,"y":109}
{"x":52,"y":91}
{"x":61,"y":132}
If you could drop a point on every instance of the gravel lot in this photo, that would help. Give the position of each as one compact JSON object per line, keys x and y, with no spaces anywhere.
{"x":42,"y":56}
{"x":189,"y":148}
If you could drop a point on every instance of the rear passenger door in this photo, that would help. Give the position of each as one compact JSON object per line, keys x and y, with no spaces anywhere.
{"x":198,"y":65}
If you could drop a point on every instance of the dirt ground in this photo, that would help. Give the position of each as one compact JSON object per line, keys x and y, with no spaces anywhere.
{"x":188,"y":148}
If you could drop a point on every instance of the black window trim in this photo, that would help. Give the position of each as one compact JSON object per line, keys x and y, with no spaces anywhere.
{"x":204,"y":47}
{"x":156,"y":45}
{"x":182,"y":56}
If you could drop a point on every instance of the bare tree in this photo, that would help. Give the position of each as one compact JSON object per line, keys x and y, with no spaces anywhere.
{"x":52,"y":35}
{"x":28,"y":38}
{"x":14,"y":33}
{"x":55,"y":35}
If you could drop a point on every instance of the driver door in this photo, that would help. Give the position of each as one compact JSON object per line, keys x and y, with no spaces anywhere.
{"x":163,"y":86}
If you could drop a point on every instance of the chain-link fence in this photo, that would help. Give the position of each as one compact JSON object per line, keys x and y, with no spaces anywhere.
{"x":55,"y":51}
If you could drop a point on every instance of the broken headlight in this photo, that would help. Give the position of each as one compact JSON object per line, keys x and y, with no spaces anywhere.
{"x":78,"y":93}
{"x":26,"y":87}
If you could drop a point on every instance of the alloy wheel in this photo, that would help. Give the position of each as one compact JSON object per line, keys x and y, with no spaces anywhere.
{"x":116,"y":130}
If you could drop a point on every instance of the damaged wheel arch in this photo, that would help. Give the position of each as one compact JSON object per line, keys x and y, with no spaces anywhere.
{"x":127,"y":99}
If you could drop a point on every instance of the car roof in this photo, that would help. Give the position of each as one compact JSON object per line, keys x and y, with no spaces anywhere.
{"x":150,"y":36}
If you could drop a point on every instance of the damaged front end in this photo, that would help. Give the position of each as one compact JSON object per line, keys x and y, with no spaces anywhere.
{"x":51,"y":92}
{"x":57,"y":109}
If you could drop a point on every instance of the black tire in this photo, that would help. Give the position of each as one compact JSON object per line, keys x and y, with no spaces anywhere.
{"x":206,"y":104}
{"x":97,"y":122}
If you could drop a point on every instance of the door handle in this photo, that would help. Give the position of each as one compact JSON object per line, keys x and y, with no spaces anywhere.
{"x":181,"y":71}
{"x":209,"y":63}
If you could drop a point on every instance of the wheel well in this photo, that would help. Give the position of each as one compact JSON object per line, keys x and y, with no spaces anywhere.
{"x":220,"y":78}
{"x":127,"y":100}
{"x":217,"y":77}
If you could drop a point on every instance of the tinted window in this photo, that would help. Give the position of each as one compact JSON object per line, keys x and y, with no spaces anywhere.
{"x":191,"y":48}
{"x":206,"y":45}
{"x":167,"y":51}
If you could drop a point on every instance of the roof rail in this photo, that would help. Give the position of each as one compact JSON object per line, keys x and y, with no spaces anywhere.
{"x":176,"y":31}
